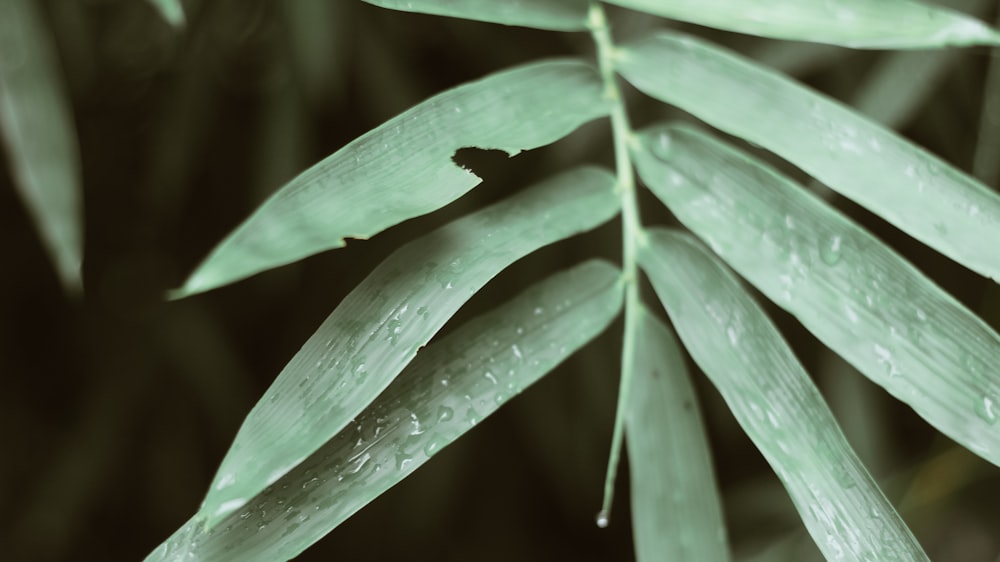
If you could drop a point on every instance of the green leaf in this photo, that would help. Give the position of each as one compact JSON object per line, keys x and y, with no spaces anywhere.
{"x":450,"y":386}
{"x":171,"y":10}
{"x":676,"y":513}
{"x":378,"y":328}
{"x":403,"y":168}
{"x":907,"y":186}
{"x":559,"y":15}
{"x":848,"y":288}
{"x":37,"y":129}
{"x":866,"y":24}
{"x":776,"y":403}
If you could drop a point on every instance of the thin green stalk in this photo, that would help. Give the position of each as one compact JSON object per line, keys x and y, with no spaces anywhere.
{"x":632,"y":237}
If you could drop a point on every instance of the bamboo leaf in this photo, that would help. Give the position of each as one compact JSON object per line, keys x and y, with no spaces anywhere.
{"x":37,"y":129}
{"x":849,"y":289}
{"x":885,"y":24}
{"x":776,"y":403}
{"x":907,"y":186}
{"x":403,"y":168}
{"x":450,"y":386}
{"x":172,"y":11}
{"x":559,"y":15}
{"x":378,"y":328}
{"x":676,"y":512}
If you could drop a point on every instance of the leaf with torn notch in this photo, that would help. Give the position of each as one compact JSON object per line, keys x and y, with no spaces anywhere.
{"x":403,"y":168}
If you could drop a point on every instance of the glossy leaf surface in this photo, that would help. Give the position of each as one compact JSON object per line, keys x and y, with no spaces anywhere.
{"x":378,"y":328}
{"x":774,"y":400}
{"x":676,"y":512}
{"x":403,"y":168}
{"x":37,"y":130}
{"x":902,"y":183}
{"x":560,"y":15}
{"x":881,"y":24}
{"x":450,"y":387}
{"x":849,"y":289}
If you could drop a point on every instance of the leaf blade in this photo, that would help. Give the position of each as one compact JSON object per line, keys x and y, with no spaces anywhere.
{"x":676,"y":511}
{"x":378,"y":328}
{"x":485,"y":363}
{"x":773,"y":399}
{"x":37,"y":128}
{"x":907,"y":186}
{"x":891,"y":24}
{"x":556,"y":15}
{"x":846,"y":287}
{"x":367,"y":186}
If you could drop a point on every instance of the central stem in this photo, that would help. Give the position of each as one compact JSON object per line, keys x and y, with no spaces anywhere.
{"x":632,"y":237}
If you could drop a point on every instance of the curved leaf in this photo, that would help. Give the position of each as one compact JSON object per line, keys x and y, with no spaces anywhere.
{"x":37,"y":128}
{"x":907,"y":186}
{"x":558,"y":15}
{"x":848,"y":288}
{"x":378,"y":328}
{"x":676,"y":512}
{"x":776,"y":403}
{"x":449,"y":387}
{"x":403,"y":168}
{"x":870,"y":24}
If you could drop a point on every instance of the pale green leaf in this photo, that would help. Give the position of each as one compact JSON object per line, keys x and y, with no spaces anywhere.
{"x":848,"y":288}
{"x":776,"y":403}
{"x":450,"y":386}
{"x":171,"y":10}
{"x":378,"y":328}
{"x":907,"y":186}
{"x":404,"y":167}
{"x":865,"y":24}
{"x":676,"y":513}
{"x":559,"y":15}
{"x":37,"y":129}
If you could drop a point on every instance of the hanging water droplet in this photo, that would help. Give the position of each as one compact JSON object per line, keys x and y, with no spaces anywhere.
{"x":830,"y":253}
{"x":602,"y":519}
{"x":985,"y":410}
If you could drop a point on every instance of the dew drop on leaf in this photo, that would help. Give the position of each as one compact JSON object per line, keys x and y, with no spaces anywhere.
{"x":602,"y":519}
{"x":985,"y":410}
{"x":830,"y":252}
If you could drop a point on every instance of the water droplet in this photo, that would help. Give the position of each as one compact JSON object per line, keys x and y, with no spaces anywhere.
{"x":830,"y":253}
{"x":538,"y":310}
{"x":490,"y":377}
{"x":471,"y":416}
{"x":403,"y":460}
{"x":517,"y":351}
{"x":985,"y":410}
{"x":433,"y":446}
{"x":445,"y":414}
{"x":520,"y":330}
{"x":423,"y":312}
{"x":885,"y":359}
{"x":602,"y":519}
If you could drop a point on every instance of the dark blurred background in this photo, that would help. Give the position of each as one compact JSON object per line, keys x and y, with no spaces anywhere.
{"x":117,"y":406}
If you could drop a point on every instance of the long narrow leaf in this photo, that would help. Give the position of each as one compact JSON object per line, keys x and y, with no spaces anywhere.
{"x":403,"y":168}
{"x":881,"y":24}
{"x":37,"y":129}
{"x":775,"y":402}
{"x":378,"y":328}
{"x":449,"y":387}
{"x":676,"y":513}
{"x":907,"y":186}
{"x":559,"y":15}
{"x":849,"y":289}
{"x":171,"y":10}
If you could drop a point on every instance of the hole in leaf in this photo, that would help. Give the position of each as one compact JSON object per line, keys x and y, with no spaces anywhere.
{"x":482,"y":162}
